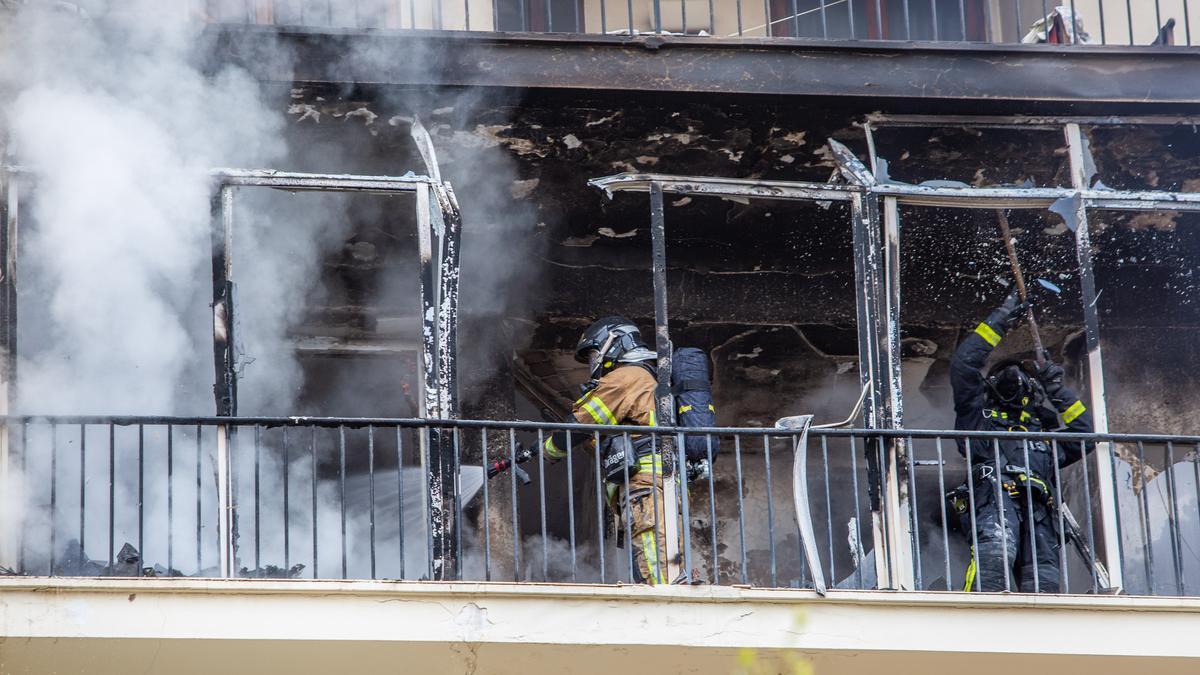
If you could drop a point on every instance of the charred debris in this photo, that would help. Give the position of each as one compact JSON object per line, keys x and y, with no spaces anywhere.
{"x":767,"y":286}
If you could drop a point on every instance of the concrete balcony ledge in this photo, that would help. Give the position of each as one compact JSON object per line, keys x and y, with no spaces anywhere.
{"x":181,"y":625}
{"x":1106,"y":80}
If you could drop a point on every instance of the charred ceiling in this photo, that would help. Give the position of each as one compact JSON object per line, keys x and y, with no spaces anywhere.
{"x":766,"y":287}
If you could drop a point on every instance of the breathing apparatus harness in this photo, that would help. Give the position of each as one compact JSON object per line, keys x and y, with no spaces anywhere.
{"x":1015,"y":396}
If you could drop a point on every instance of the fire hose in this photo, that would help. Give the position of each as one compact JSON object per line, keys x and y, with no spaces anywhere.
{"x":520,"y":456}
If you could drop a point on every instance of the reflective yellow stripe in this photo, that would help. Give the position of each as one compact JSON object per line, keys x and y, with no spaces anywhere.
{"x":604,"y":411}
{"x":686,"y":408}
{"x":1077,"y":408}
{"x":988,"y":333}
{"x":650,"y":551}
{"x":711,"y":408}
{"x":552,"y":450}
{"x":653,"y":421}
{"x":591,"y":410}
{"x":651,"y":463}
{"x":970,"y":573}
{"x":599,"y":412}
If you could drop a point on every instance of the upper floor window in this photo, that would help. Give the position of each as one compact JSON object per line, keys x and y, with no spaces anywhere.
{"x":880,"y":20}
{"x":542,"y":16}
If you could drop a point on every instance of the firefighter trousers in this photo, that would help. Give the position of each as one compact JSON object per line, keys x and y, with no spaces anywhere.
{"x":1017,"y":549}
{"x":645,"y":515}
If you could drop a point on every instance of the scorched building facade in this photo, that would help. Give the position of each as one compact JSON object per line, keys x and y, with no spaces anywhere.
{"x":819,"y":195}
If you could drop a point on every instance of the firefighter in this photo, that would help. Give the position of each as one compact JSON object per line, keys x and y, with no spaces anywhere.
{"x":1013,"y":396}
{"x":621,"y":391}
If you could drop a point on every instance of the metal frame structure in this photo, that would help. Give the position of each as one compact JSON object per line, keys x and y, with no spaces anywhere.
{"x":438,"y":231}
{"x":877,"y":230}
{"x":439,"y":227}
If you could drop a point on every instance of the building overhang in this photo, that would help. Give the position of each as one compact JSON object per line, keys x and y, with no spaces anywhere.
{"x":1052,"y":78}
{"x":180,"y":625}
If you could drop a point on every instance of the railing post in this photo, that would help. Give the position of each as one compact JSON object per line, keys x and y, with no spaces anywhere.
{"x":225,"y":387}
{"x":1081,"y":168}
{"x":897,"y":500}
{"x":664,"y":400}
{"x":878,"y":302}
{"x":438,"y":399}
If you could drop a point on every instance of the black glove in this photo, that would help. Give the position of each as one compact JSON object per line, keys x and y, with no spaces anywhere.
{"x":1006,"y":315}
{"x":1050,"y":374}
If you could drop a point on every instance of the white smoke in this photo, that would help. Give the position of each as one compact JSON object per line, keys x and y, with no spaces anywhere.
{"x":118,"y":118}
{"x":118,"y":114}
{"x":119,"y":122}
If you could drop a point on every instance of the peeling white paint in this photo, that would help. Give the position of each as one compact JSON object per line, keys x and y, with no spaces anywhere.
{"x":796,"y":137}
{"x":825,"y":154}
{"x":682,"y":202}
{"x":580,"y":242}
{"x":648,"y":160}
{"x":603,"y":120}
{"x":367,"y":116}
{"x":521,"y":189}
{"x":571,"y":141}
{"x":608,"y":232}
{"x":787,"y":159}
{"x":306,"y":111}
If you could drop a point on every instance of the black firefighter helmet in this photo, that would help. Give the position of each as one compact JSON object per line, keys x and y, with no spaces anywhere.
{"x":1011,"y":385}
{"x":610,"y":341}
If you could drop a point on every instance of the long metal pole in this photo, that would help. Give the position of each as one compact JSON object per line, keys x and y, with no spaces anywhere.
{"x":225,"y":388}
{"x":664,"y":400}
{"x":898,"y":501}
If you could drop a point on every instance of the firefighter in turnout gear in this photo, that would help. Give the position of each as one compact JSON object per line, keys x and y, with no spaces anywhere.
{"x":621,"y":391}
{"x":1009,"y":476}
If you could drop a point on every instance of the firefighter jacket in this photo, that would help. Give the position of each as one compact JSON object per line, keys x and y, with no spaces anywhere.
{"x":973,"y":414}
{"x":624,"y":395}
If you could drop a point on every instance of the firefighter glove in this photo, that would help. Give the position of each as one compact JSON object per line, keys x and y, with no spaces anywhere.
{"x":1050,"y":374}
{"x":1006,"y":315}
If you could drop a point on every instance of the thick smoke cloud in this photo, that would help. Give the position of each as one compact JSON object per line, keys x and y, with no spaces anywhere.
{"x":118,"y":113}
{"x":118,"y":117}
{"x":118,"y":120}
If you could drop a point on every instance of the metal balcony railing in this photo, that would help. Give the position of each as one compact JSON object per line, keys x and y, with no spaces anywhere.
{"x":1069,"y":22}
{"x":408,"y":499}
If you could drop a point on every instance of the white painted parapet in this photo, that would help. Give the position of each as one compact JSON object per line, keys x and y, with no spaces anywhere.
{"x":184,"y":626}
